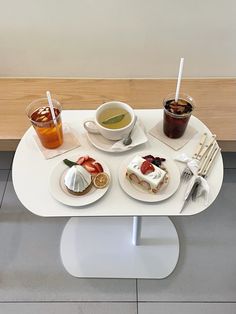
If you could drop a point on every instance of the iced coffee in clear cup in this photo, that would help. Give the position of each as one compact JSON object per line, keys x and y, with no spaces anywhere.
{"x":48,"y":130}
{"x":177,"y":114}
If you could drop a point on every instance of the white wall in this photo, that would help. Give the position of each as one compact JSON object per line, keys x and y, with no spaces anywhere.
{"x":117,"y":38}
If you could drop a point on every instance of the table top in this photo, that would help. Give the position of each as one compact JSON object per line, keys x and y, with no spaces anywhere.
{"x":31,"y":173}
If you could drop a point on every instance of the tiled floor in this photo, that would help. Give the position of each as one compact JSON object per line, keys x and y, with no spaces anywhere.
{"x":33,"y":280}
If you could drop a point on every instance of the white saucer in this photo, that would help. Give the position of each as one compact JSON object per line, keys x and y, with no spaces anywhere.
{"x":61,"y":194}
{"x":138,"y":193}
{"x":138,"y":137}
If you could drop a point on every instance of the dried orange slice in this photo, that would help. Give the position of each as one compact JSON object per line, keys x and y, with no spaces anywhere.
{"x":101,"y":180}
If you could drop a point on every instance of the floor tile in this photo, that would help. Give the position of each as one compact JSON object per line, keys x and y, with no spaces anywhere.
{"x":30,"y":264}
{"x":3,"y":182}
{"x":6,"y":159}
{"x":206,"y":267}
{"x":72,"y":308}
{"x":186,"y":308}
{"x":229,"y":160}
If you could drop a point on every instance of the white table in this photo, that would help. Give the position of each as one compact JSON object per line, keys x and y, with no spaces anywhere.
{"x":98,"y":240}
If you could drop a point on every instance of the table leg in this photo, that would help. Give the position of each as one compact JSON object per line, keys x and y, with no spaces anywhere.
{"x":137,"y":224}
{"x":111,"y":247}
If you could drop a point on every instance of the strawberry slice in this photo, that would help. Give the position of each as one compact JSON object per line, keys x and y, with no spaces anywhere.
{"x":90,"y":164}
{"x":89,"y":159}
{"x":98,"y":166}
{"x":89,"y":168}
{"x":83,"y":159}
{"x":147,"y":167}
{"x":80,"y":161}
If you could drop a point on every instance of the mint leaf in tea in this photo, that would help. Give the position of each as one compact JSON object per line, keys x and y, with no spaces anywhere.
{"x":114,"y":118}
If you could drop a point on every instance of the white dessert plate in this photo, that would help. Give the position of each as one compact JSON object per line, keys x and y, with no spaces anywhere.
{"x":138,"y":137}
{"x":139,"y":193}
{"x":61,"y":194}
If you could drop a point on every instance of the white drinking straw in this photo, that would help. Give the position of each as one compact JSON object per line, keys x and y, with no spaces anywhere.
{"x":51,"y":107}
{"x":181,"y":65}
{"x":53,"y":115}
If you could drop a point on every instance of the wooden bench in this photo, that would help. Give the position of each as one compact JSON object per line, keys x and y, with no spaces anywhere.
{"x":215,"y":101}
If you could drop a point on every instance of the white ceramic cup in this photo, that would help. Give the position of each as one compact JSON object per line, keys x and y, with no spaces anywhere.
{"x":93,"y":126}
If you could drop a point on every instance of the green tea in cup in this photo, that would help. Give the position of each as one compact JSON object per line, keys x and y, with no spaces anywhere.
{"x":114,"y":118}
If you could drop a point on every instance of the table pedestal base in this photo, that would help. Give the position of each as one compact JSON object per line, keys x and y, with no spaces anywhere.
{"x":102,"y":247}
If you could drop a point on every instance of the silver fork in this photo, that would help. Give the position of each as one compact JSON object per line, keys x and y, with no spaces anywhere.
{"x":187,"y":173}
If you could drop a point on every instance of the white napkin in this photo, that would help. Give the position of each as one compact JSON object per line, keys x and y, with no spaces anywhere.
{"x":193,"y":164}
{"x":202,"y":188}
{"x":70,"y":141}
{"x":138,"y":137}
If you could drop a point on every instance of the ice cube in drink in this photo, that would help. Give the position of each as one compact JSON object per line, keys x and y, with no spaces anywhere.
{"x":177,"y":115}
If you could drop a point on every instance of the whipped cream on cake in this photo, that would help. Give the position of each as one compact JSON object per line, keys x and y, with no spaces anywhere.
{"x":144,"y":173}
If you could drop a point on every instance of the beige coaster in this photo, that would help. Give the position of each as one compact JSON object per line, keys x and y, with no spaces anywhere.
{"x":70,"y":141}
{"x":175,"y":143}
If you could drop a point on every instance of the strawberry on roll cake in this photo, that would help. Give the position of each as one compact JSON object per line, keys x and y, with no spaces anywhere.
{"x":146,"y":172}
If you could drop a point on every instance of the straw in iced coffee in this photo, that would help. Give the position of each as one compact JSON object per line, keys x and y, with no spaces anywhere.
{"x":181,"y":65}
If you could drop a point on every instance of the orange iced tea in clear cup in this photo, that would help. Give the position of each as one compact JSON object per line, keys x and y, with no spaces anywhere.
{"x":49,"y":131}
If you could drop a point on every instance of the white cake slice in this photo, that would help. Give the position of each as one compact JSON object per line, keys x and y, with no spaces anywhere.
{"x":151,"y":181}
